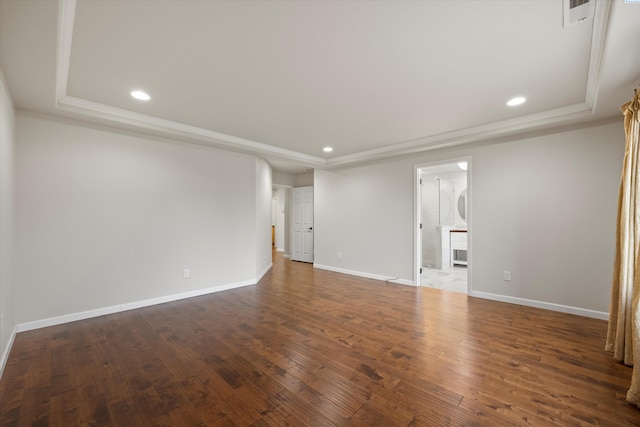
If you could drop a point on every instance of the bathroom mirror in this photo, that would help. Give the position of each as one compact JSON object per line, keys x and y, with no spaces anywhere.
{"x":462,"y":204}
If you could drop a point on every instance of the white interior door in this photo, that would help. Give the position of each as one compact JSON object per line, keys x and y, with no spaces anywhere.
{"x":302,"y":224}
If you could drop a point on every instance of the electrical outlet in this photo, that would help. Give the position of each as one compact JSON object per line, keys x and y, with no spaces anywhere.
{"x":506,"y":275}
{"x":339,"y":255}
{"x":186,"y":273}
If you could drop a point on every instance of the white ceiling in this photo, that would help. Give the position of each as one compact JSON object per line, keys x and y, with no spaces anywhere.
{"x":283,"y":79}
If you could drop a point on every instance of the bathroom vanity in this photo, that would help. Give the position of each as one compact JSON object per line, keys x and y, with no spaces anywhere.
{"x":451,"y":246}
{"x":458,"y":242}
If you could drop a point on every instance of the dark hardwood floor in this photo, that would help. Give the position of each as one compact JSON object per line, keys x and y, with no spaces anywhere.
{"x":311,"y":347}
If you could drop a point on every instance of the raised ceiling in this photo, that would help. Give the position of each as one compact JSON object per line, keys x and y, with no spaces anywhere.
{"x":283,"y":79}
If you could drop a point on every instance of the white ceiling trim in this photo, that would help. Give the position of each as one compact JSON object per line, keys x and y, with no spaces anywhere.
{"x":115,"y":115}
{"x":598,"y":37}
{"x":118,"y":115}
{"x":102,"y":111}
{"x":5,"y":87}
{"x":473,"y":134}
{"x":66,"y":17}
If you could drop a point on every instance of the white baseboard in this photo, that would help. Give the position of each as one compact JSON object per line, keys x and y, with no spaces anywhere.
{"x":265,"y":271}
{"x":495,"y":297}
{"x":58,"y":320}
{"x":541,"y":304}
{"x":7,"y":350}
{"x":367,"y":275}
{"x":286,"y":256}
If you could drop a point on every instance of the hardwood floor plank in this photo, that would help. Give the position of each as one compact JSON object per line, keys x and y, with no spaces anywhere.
{"x":298,"y":408}
{"x":312,"y":347}
{"x":375,"y":413}
{"x":63,"y":409}
{"x":339,"y":395}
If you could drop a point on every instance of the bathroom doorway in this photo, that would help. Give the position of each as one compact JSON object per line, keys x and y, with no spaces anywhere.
{"x":442,"y":229}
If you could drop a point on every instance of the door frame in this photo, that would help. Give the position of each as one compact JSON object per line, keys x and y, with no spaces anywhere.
{"x":417,"y":233}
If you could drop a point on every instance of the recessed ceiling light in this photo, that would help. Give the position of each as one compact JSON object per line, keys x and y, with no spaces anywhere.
{"x":141,"y":95}
{"x":327,"y":149}
{"x":516,"y":101}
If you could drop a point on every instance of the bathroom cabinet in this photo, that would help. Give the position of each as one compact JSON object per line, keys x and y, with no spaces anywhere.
{"x":458,"y":244}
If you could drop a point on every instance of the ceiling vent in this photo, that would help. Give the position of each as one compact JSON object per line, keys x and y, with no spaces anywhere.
{"x":576,"y":11}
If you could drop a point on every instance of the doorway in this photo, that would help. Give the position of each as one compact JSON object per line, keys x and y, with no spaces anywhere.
{"x":443,"y":225}
{"x":280,"y":213}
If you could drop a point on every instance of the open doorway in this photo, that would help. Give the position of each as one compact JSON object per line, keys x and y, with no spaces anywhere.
{"x":280,"y":218}
{"x":442,"y":229}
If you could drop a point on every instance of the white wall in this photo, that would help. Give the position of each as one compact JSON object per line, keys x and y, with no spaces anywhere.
{"x":283,"y":178}
{"x":107,"y":218}
{"x":366,"y":214}
{"x":304,"y":179}
{"x":543,"y":208}
{"x":7,"y":140}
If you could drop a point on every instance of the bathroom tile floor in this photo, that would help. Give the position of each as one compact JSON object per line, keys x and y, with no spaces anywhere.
{"x":453,"y":279}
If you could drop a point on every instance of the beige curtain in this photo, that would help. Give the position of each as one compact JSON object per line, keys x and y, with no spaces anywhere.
{"x":623,"y":335}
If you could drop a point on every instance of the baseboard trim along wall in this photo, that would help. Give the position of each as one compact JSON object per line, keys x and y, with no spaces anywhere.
{"x":367,"y":275}
{"x":495,"y":297}
{"x":52,"y":321}
{"x":265,"y":271}
{"x":7,"y":350}
{"x":541,"y":304}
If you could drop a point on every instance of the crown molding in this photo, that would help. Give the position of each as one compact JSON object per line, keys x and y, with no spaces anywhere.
{"x":473,"y":134}
{"x":118,"y":116}
{"x":598,"y":38}
{"x":66,"y":18}
{"x":5,"y":87}
{"x":152,"y":123}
